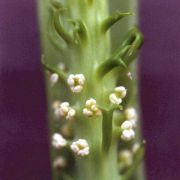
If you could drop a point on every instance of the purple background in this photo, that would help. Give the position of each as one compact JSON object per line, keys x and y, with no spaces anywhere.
{"x":23,"y":125}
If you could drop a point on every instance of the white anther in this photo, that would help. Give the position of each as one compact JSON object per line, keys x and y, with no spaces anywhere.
{"x":128,"y":135}
{"x":58,"y":141}
{"x":80,"y":147}
{"x":91,"y":108}
{"x":76,"y":82}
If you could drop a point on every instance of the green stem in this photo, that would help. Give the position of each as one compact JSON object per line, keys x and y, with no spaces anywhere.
{"x":85,"y":47}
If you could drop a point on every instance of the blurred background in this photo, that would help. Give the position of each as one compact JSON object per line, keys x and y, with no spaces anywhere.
{"x":23,"y":124}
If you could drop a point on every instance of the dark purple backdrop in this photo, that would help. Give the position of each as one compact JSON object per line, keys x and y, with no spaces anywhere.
{"x":23,"y":126}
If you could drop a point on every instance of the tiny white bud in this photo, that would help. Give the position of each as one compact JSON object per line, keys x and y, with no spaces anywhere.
{"x":128,"y":135}
{"x":114,"y":99}
{"x":126,"y":157}
{"x":133,"y":122}
{"x":126,"y":125}
{"x":135,"y":147}
{"x":131,"y":113}
{"x":65,"y":110}
{"x":56,"y":104}
{"x":120,"y":91}
{"x":59,"y":162}
{"x":54,"y":78}
{"x":80,"y":147}
{"x":91,"y":108}
{"x":76,"y":89}
{"x":61,"y":66}
{"x":58,"y":141}
{"x":71,"y":113}
{"x":76,"y":82}
{"x":87,"y":112}
{"x":67,"y":130}
{"x":129,"y":75}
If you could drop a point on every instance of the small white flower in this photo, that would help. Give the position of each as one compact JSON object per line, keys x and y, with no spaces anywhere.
{"x":80,"y":147}
{"x":76,"y":82}
{"x":126,"y":157}
{"x":119,"y":93}
{"x":59,"y":162}
{"x":58,"y":141}
{"x":91,"y":108}
{"x":126,"y":125}
{"x":65,"y":110}
{"x":128,"y":135}
{"x":130,"y":113}
{"x":54,"y":78}
{"x":114,"y":99}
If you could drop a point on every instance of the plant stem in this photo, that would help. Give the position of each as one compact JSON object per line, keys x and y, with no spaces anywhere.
{"x":81,"y":27}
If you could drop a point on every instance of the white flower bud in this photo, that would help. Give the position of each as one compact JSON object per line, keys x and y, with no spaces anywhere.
{"x":126,"y":125}
{"x":62,"y":66}
{"x":131,"y":113}
{"x":54,"y":78}
{"x":126,"y":158}
{"x":76,"y":82}
{"x":58,"y":141}
{"x":135,"y":147}
{"x":56,"y":104}
{"x":91,"y":108}
{"x":59,"y":163}
{"x":65,"y":110}
{"x":80,"y":147}
{"x":128,"y":135}
{"x":121,"y":91}
{"x":133,"y":122}
{"x":114,"y":99}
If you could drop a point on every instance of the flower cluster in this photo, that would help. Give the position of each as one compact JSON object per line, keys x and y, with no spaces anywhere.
{"x":58,"y":141}
{"x":65,"y":110}
{"x":80,"y":147}
{"x":118,"y":94}
{"x":91,"y":108}
{"x":127,"y":126}
{"x":76,"y":82}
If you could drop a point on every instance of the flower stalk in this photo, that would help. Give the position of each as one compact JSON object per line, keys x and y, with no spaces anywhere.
{"x":90,"y":92}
